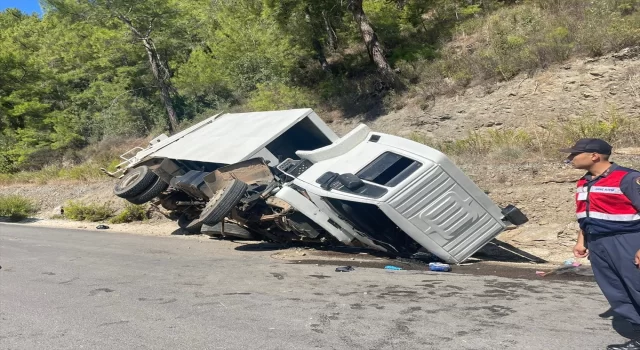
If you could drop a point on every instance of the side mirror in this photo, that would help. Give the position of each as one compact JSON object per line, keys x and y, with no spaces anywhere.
{"x":514,"y":215}
{"x":350,"y":181}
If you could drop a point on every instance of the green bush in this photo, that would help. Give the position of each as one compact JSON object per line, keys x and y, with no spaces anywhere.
{"x":130,"y":213}
{"x":79,"y":211}
{"x":536,"y":34}
{"x":16,"y":207}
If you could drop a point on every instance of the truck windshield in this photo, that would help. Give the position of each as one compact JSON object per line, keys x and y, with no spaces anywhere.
{"x":389,"y":169}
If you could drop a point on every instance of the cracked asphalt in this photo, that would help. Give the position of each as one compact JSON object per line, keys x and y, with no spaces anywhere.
{"x":73,"y":289}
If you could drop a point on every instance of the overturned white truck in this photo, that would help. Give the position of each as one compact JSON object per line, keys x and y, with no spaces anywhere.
{"x":284,"y":175}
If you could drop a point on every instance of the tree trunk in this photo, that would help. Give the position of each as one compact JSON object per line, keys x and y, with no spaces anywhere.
{"x":331,"y":33}
{"x":374,"y":48}
{"x":315,"y":42}
{"x":165,"y":87}
{"x":159,"y":70}
{"x":317,"y":45}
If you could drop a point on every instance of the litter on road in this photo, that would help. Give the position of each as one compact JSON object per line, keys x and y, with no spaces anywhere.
{"x":435,"y":266}
{"x":344,"y":269}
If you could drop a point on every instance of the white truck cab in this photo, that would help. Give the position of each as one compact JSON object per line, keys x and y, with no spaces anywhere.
{"x":387,"y":187}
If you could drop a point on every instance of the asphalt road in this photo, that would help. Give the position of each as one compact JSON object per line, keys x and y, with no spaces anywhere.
{"x":72,"y":289}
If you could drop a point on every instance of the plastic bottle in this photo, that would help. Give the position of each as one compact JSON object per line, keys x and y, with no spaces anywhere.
{"x":436,"y":266}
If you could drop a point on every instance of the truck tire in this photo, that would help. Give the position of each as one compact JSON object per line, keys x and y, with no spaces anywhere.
{"x":134,"y":182}
{"x":153,"y":191}
{"x":222,"y":202}
{"x":189,"y":223}
{"x":230,"y":229}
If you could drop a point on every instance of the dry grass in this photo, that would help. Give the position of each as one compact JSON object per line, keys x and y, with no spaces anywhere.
{"x":513,"y":145}
{"x":55,"y":173}
{"x":84,"y":165}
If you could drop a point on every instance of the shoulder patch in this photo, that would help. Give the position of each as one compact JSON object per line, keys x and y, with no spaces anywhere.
{"x":638,"y":181}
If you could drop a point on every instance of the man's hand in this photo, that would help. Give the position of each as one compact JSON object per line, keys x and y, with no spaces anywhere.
{"x":580,"y":251}
{"x":638,"y":259}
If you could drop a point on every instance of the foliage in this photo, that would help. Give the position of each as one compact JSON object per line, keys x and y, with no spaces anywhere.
{"x":81,"y":74}
{"x":16,"y":207}
{"x":81,"y":211}
{"x":279,"y":96}
{"x":130,"y":213}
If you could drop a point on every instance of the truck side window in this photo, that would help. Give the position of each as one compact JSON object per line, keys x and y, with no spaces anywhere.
{"x":389,"y":169}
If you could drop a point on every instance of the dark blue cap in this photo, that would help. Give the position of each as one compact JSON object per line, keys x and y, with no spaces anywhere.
{"x":589,"y":146}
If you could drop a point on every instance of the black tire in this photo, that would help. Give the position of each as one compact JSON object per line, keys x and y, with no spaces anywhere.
{"x":153,"y":191}
{"x":134,"y":182}
{"x":222,"y":203}
{"x":230,"y":229}
{"x":189,"y":223}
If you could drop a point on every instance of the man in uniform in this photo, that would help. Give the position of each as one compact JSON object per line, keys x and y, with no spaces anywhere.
{"x":608,"y":211}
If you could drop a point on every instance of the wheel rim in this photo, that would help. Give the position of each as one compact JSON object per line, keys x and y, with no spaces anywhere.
{"x":128,"y":181}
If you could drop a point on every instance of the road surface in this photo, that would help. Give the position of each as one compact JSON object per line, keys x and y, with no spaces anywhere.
{"x":73,"y":289}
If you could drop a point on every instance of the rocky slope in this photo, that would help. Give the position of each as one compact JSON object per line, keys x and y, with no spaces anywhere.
{"x":578,"y":88}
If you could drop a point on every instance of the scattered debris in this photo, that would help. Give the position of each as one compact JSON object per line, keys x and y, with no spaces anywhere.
{"x":391,"y":267}
{"x":344,"y":269}
{"x":575,"y":269}
{"x":436,"y":266}
{"x":102,"y":227}
{"x":571,"y":262}
{"x":59,"y":210}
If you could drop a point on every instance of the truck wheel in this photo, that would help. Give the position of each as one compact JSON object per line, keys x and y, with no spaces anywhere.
{"x":222,"y":202}
{"x":134,"y":182}
{"x":230,"y":229}
{"x":189,"y":223}
{"x":153,"y":191}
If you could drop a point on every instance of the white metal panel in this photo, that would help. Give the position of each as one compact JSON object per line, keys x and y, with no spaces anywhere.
{"x":233,"y":137}
{"x":341,"y":146}
{"x":446,"y":214}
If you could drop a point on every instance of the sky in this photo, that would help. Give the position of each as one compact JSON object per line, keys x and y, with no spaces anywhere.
{"x":27,"y":6}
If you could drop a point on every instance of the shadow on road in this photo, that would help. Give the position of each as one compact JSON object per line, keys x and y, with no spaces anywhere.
{"x":23,"y":221}
{"x":497,"y":250}
{"x":620,"y":325}
{"x":494,"y":251}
